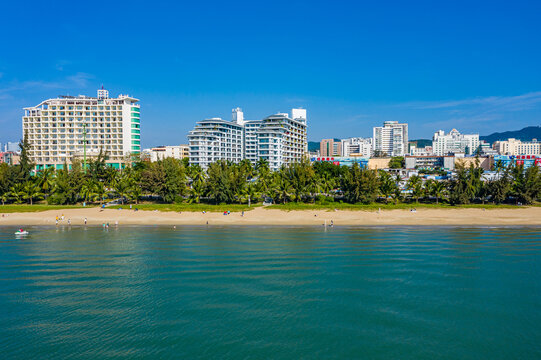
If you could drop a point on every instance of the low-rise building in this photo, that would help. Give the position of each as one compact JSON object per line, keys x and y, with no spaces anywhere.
{"x":162,"y":152}
{"x":9,"y":157}
{"x":341,"y":160}
{"x":357,"y":147}
{"x":503,"y":161}
{"x":430,"y":162}
{"x":421,"y":151}
{"x":484,"y":162}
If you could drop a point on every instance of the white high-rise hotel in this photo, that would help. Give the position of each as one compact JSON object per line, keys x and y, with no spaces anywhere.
{"x":279,"y":139}
{"x":56,"y":129}
{"x":391,"y":139}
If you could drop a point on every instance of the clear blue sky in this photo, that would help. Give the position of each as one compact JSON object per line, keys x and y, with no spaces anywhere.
{"x":473,"y":65}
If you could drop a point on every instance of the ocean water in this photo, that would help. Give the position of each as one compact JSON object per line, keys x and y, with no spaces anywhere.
{"x":271,"y":293}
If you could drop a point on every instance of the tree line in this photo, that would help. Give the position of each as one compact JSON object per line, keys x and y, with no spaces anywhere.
{"x":176,"y":181}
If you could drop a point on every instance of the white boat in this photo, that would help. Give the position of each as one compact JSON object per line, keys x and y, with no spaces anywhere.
{"x":21,"y":233}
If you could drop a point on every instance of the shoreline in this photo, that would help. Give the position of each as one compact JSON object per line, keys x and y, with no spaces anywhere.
{"x":261,"y":216}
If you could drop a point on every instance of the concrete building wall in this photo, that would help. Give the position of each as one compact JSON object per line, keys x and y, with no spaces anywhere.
{"x":486,"y":163}
{"x":378,"y":163}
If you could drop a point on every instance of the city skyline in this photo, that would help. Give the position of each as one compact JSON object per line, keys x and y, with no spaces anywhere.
{"x":472,"y":67}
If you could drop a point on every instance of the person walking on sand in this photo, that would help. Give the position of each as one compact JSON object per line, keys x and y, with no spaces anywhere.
{"x":85,"y":221}
{"x":69,"y":221}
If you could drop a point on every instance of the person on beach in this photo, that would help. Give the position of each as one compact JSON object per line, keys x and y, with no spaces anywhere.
{"x":85,"y":221}
{"x":332,"y":223}
{"x":242,"y":213}
{"x":57,"y":221}
{"x":62,"y":217}
{"x":69,"y":221}
{"x":116,"y":223}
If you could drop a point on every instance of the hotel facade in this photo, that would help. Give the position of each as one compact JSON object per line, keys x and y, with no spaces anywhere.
{"x":57,"y":129}
{"x":280,"y":139}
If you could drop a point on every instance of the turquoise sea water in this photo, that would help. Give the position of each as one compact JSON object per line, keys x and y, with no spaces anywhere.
{"x":271,"y":293}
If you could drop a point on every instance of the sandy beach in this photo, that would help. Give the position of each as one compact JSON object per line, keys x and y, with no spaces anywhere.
{"x":262,"y":216}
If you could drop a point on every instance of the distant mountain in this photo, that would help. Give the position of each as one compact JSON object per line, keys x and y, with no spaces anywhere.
{"x":526,"y":134}
{"x":313,"y":146}
{"x":422,"y":142}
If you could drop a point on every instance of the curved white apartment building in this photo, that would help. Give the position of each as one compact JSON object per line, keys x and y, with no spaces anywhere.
{"x":279,"y":138}
{"x":56,"y":129}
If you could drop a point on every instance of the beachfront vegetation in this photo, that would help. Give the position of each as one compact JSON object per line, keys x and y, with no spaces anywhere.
{"x":171,"y":181}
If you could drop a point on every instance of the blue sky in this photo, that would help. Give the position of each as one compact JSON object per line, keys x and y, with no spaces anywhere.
{"x":473,"y":65}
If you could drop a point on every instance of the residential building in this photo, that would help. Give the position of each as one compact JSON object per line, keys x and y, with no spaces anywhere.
{"x":9,"y":157}
{"x":279,"y":139}
{"x":357,"y":147}
{"x":517,"y":147}
{"x":430,"y":162}
{"x":57,"y":129}
{"x":391,"y":139}
{"x":421,"y":151}
{"x":162,"y":152}
{"x":330,"y":147}
{"x":216,"y":139}
{"x":282,"y":139}
{"x":454,"y":142}
{"x":250,"y":134}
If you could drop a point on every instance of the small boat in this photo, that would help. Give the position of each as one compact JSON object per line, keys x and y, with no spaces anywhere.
{"x":21,"y":233}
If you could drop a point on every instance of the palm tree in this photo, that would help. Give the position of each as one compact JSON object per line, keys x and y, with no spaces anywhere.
{"x":122,"y":188}
{"x":45,"y":180}
{"x":283,"y":188}
{"x":136,"y":192}
{"x":251,"y":192}
{"x":4,"y":197}
{"x":31,"y":191}
{"x":16,"y":192}
{"x":387,"y":186}
{"x":88,"y":191}
{"x":100,"y":190}
{"x":415,"y":184}
{"x":438,"y":190}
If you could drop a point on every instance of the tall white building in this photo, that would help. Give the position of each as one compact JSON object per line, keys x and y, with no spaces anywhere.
{"x":454,"y":142}
{"x":216,"y":139}
{"x":391,"y":139}
{"x":56,"y":129}
{"x":280,"y":139}
{"x":357,"y":147}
